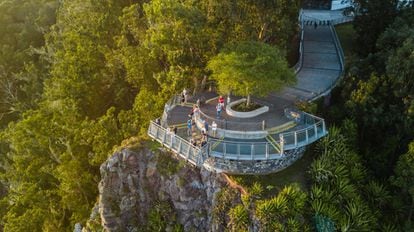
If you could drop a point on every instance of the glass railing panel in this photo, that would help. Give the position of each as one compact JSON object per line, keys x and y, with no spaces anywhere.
{"x":245,"y":149}
{"x":231,"y":148}
{"x":301,"y":136}
{"x":259,"y":149}
{"x":320,"y":128}
{"x":273,"y":150}
{"x":289,"y":138}
{"x":161,"y":134}
{"x":184,"y":148}
{"x":217,"y":146}
{"x":311,"y":132}
{"x":175,"y":142}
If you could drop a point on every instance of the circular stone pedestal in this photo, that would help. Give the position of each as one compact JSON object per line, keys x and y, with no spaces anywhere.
{"x":249,"y":114}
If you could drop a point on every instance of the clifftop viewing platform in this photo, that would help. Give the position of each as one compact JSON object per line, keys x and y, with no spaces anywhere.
{"x":269,"y":138}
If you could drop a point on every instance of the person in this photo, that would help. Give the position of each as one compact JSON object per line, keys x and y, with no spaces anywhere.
{"x":214,"y":128}
{"x":189,"y":125}
{"x":191,"y":113}
{"x":182,"y":98}
{"x":196,"y":110}
{"x":221,"y":101}
{"x":158,"y":121}
{"x":206,"y":125}
{"x":203,"y":132}
{"x":218,"y":108}
{"x":185,"y":95}
{"x":175,"y":130}
{"x":193,"y":142}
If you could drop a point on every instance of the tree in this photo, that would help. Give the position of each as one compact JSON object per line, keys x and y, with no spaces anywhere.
{"x":248,"y":68}
{"x":404,"y":179}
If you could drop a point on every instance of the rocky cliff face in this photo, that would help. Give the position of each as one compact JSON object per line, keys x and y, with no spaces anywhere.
{"x":142,"y":187}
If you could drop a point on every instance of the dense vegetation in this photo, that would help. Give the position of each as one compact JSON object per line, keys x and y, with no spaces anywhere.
{"x":79,"y":77}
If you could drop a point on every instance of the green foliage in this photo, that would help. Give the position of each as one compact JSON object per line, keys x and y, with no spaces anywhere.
{"x":404,"y":179}
{"x":225,"y":200}
{"x":337,"y":193}
{"x":161,"y":217}
{"x":239,"y":218}
{"x":284,"y":211}
{"x":250,"y":68}
{"x":371,"y":20}
{"x":167,"y":165}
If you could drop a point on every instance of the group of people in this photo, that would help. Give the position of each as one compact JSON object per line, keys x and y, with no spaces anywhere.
{"x":193,"y":115}
{"x":315,"y":23}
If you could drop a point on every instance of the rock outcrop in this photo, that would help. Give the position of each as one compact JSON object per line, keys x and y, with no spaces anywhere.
{"x":135,"y":182}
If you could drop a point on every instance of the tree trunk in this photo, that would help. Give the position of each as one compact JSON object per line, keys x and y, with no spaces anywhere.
{"x":248,"y":101}
{"x":203,"y":83}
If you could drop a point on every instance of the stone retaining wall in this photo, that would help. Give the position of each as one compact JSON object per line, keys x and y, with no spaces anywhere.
{"x":253,"y":167}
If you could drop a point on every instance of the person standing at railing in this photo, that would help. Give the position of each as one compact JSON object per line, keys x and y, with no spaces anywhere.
{"x":214,"y":128}
{"x":218,"y":108}
{"x":206,"y":126}
{"x":189,"y":125}
{"x":185,"y":95}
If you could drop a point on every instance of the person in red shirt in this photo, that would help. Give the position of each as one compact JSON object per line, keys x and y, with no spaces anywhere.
{"x":221,"y":101}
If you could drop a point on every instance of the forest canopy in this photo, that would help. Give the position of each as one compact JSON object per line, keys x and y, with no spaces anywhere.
{"x":79,"y":78}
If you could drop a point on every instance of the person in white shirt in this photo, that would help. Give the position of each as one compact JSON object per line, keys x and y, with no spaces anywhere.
{"x":214,"y":128}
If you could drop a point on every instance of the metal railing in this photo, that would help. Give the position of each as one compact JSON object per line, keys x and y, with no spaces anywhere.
{"x":187,"y":151}
{"x":313,"y":129}
{"x":243,"y":150}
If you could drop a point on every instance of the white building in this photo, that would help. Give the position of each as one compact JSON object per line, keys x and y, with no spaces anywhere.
{"x":341,"y":4}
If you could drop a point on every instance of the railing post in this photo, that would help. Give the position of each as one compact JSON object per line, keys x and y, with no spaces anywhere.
{"x":267,"y":150}
{"x":307,"y":135}
{"x":252,"y":150}
{"x":323,"y":127}
{"x":238,"y":150}
{"x":282,"y":143}
{"x":224,"y":150}
{"x":179,"y":146}
{"x":263,"y":124}
{"x":316,"y":130}
{"x":188,"y":151}
{"x":296,"y":139}
{"x":164,"y":137}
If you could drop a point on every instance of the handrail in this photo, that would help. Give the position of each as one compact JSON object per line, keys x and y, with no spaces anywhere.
{"x":197,"y":151}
